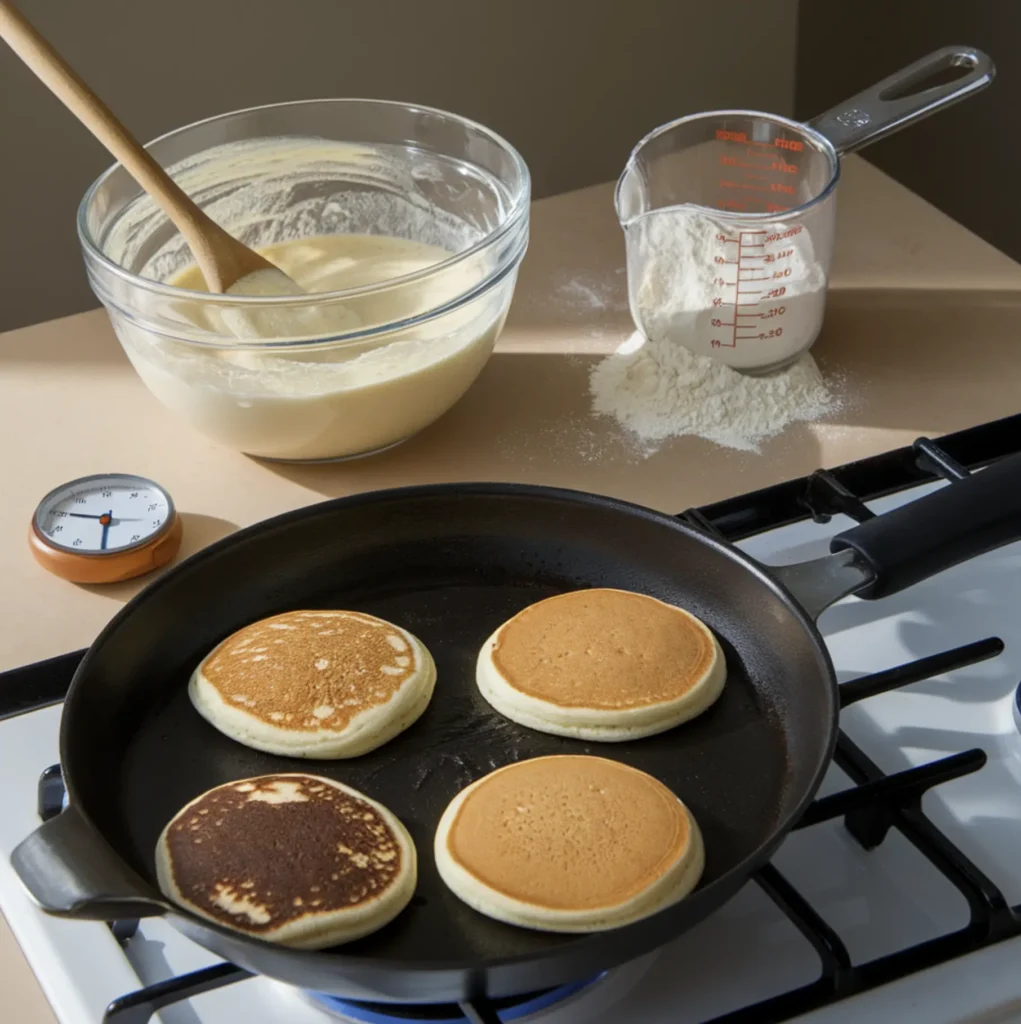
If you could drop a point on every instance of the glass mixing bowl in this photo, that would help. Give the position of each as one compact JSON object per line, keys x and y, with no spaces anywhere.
{"x":399,"y":353}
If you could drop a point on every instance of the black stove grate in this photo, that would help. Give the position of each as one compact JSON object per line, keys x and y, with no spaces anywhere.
{"x":878,"y":802}
{"x":828,"y":492}
{"x":874,"y":804}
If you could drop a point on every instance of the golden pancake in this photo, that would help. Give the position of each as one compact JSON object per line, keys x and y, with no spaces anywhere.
{"x":568,"y":843}
{"x":319,"y":684}
{"x":601,"y":664}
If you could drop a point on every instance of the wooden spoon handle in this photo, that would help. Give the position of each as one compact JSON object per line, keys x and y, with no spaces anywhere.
{"x":221,"y":258}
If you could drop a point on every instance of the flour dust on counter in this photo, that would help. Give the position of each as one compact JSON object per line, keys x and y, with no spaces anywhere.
{"x":590,"y":293}
{"x":568,"y":441}
{"x":659,"y":389}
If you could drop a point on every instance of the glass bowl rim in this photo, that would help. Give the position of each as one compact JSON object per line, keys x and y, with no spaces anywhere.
{"x":518,"y":208}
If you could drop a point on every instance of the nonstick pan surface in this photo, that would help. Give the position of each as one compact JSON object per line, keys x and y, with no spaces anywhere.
{"x":450,"y":564}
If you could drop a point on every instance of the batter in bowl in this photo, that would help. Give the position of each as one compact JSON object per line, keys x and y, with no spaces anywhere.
{"x":329,"y":263}
{"x":326,"y":400}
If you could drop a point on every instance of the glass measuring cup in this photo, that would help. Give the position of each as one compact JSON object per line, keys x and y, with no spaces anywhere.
{"x":728,"y":216}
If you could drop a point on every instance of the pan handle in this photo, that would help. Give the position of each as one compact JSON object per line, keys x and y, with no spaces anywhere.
{"x":70,"y":872}
{"x":933,"y":533}
{"x":891,"y":552}
{"x":904,"y":98}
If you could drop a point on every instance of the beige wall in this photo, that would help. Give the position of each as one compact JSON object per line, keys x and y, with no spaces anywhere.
{"x":573,"y":83}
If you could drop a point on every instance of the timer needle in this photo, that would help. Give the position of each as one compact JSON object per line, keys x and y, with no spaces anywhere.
{"x":120,"y":519}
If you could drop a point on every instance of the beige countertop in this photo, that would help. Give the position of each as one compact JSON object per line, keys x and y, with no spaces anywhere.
{"x":922,"y":336}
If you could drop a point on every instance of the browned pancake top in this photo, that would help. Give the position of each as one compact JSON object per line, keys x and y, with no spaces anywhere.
{"x":606,"y":649}
{"x":569,"y":832}
{"x":311,"y":670}
{"x":258,"y":853}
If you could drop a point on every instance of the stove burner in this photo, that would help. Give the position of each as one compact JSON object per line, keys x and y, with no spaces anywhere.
{"x":515,"y":1008}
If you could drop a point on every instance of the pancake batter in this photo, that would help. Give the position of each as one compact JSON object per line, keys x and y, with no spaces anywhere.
{"x":333,"y":399}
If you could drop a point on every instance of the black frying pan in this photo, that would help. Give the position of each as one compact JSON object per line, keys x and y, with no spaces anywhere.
{"x":450,"y":563}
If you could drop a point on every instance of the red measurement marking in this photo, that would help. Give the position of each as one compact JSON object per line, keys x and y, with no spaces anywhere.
{"x":728,"y":183}
{"x":735,"y":161}
{"x":781,"y":235}
{"x":740,"y":246}
{"x":744,"y":326}
{"x":792,"y":144}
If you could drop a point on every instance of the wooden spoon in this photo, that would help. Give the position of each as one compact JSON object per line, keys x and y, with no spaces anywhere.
{"x":226,"y":264}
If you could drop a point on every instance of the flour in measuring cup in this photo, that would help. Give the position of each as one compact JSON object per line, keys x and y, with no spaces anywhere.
{"x":669,"y":380}
{"x":683,"y":278}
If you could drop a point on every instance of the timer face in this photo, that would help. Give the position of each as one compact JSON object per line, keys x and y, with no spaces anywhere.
{"x":105,"y":514}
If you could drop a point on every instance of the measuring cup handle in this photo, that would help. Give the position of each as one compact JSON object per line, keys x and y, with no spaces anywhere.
{"x":896,"y":102}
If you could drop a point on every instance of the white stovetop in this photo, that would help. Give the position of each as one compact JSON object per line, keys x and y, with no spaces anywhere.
{"x":877,"y":901}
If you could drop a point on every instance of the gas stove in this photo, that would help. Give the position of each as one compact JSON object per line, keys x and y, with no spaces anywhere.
{"x":898,"y":897}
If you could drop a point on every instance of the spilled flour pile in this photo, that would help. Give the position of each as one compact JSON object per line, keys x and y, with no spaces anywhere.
{"x":659,"y":389}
